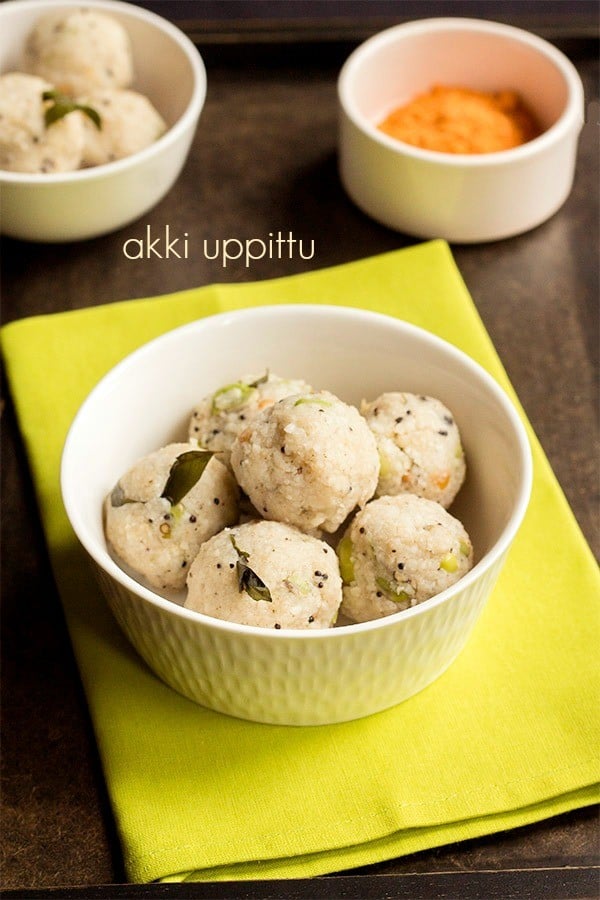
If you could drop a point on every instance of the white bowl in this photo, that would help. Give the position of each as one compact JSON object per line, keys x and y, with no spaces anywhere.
{"x":72,"y":206}
{"x":460,"y":197}
{"x":286,"y":676}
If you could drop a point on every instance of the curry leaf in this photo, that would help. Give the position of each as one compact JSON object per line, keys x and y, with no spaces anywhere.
{"x":248,"y":580}
{"x":63,"y":105}
{"x":262,"y":380}
{"x":118,"y":498}
{"x":252,"y":584}
{"x":185,"y":472}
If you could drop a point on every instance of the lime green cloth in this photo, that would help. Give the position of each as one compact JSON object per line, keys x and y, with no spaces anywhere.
{"x":508,"y":736}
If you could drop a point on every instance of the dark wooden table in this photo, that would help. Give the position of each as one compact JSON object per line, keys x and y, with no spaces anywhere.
{"x":264,"y":160}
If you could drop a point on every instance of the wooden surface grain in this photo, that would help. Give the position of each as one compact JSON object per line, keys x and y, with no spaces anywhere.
{"x":264,"y":160}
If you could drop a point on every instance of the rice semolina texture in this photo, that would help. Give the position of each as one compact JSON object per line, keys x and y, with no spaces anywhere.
{"x":308,"y":460}
{"x":79,"y":50}
{"x":156,"y":538}
{"x":27,"y":144}
{"x":129,"y":124}
{"x":397,"y":552}
{"x":266,"y":574}
{"x":419,"y":446}
{"x":219,"y":417}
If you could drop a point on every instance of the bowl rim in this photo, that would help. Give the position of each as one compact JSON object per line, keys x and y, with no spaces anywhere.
{"x":186,"y":120}
{"x":100,"y":555}
{"x":570,"y":118}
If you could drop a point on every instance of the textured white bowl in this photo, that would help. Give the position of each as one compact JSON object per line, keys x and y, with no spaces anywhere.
{"x":297,"y":677}
{"x":460,"y":197}
{"x":71,"y":206}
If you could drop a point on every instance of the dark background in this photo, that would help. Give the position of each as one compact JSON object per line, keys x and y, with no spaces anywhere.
{"x":328,"y":20}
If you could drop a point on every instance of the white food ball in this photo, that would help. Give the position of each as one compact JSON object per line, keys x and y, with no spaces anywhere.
{"x":419,"y":446}
{"x":219,"y":418}
{"x":266,"y":574}
{"x":156,"y":538}
{"x":79,"y":50}
{"x":308,"y":460}
{"x":27,"y":144}
{"x":129,"y":122}
{"x":397,"y":552}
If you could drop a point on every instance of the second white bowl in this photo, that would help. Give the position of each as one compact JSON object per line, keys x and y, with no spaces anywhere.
{"x":463,"y":198}
{"x":71,"y":206}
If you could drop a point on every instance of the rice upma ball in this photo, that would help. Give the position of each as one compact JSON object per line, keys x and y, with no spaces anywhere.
{"x":266,"y":574}
{"x":397,"y":552}
{"x":79,"y":50}
{"x":129,"y":123}
{"x":308,"y":460}
{"x":221,"y":416}
{"x":419,"y":446}
{"x":27,"y":144}
{"x":164,"y":507}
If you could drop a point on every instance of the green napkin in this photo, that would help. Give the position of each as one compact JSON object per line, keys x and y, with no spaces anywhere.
{"x":507,"y":736}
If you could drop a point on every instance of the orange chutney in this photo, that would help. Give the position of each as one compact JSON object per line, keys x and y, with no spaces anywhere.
{"x":461,"y":120}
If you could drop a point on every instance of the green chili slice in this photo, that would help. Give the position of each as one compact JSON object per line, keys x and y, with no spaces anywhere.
{"x":392,"y":590}
{"x":231,"y":396}
{"x":317,"y":400}
{"x":344,"y":552}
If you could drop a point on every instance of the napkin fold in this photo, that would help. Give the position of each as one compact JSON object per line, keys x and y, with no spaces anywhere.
{"x":507,"y":736}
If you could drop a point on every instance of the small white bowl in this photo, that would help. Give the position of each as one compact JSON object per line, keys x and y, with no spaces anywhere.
{"x":460,"y":197}
{"x":297,"y":677}
{"x":72,"y":206}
